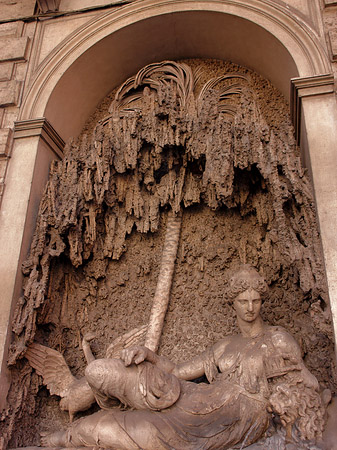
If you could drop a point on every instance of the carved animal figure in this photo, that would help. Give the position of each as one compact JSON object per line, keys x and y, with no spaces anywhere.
{"x":50,"y":364}
{"x":75,"y":392}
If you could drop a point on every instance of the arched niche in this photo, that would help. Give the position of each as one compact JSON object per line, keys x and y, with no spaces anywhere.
{"x":99,"y":56}
{"x":260,"y":34}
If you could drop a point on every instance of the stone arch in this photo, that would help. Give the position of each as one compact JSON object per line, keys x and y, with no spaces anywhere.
{"x":95,"y":58}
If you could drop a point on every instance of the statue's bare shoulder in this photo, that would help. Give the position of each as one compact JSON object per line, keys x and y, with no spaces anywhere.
{"x":219,"y":348}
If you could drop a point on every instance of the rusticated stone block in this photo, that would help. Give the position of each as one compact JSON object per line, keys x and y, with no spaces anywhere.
{"x":5,"y":140}
{"x":14,"y":9}
{"x":6,"y":70}
{"x":13,"y":48}
{"x":333,"y":43}
{"x":11,"y":28}
{"x":9,"y":92}
{"x":330,"y":2}
{"x":3,"y":167}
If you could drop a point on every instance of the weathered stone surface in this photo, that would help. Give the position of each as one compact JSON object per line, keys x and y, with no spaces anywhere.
{"x":10,"y":116}
{"x":16,"y":9}
{"x":5,"y":138}
{"x":6,"y":70}
{"x":9,"y":92}
{"x":330,"y":2}
{"x":11,"y":28}
{"x":13,"y":48}
{"x":333,"y":43}
{"x":3,"y":166}
{"x":48,"y":5}
{"x":79,"y":4}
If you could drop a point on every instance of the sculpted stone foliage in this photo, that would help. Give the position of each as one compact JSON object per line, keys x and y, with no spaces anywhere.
{"x":207,"y":140}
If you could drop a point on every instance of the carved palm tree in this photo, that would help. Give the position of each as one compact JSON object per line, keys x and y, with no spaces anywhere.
{"x":153,"y":80}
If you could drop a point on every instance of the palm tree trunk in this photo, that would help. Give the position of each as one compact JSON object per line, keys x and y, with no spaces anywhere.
{"x":162,"y":294}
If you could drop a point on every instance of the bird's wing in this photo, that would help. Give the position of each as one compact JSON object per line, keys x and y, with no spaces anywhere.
{"x":51,"y":365}
{"x":133,"y":337}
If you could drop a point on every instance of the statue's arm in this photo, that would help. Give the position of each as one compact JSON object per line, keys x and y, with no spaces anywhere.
{"x":138,"y":354}
{"x":188,"y":370}
{"x":192,"y":369}
{"x":202,"y":364}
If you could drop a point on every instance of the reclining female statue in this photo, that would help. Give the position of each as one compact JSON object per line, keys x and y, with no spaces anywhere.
{"x":249,"y":375}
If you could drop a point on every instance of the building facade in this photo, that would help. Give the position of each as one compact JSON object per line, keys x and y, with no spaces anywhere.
{"x":59,"y":59}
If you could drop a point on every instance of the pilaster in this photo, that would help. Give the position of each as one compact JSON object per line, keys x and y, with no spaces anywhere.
{"x":35,"y":145}
{"x":314,"y":109}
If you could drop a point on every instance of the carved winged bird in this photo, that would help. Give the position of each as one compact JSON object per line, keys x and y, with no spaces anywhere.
{"x":76,"y":394}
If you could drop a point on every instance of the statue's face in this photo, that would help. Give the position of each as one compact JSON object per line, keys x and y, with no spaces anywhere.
{"x":247,"y":305}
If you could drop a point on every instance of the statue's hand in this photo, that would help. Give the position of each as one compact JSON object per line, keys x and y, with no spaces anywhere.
{"x":89,"y":337}
{"x":134,"y":355}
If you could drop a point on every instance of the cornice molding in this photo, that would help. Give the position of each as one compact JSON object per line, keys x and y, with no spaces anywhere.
{"x":307,"y":87}
{"x":42,"y":128}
